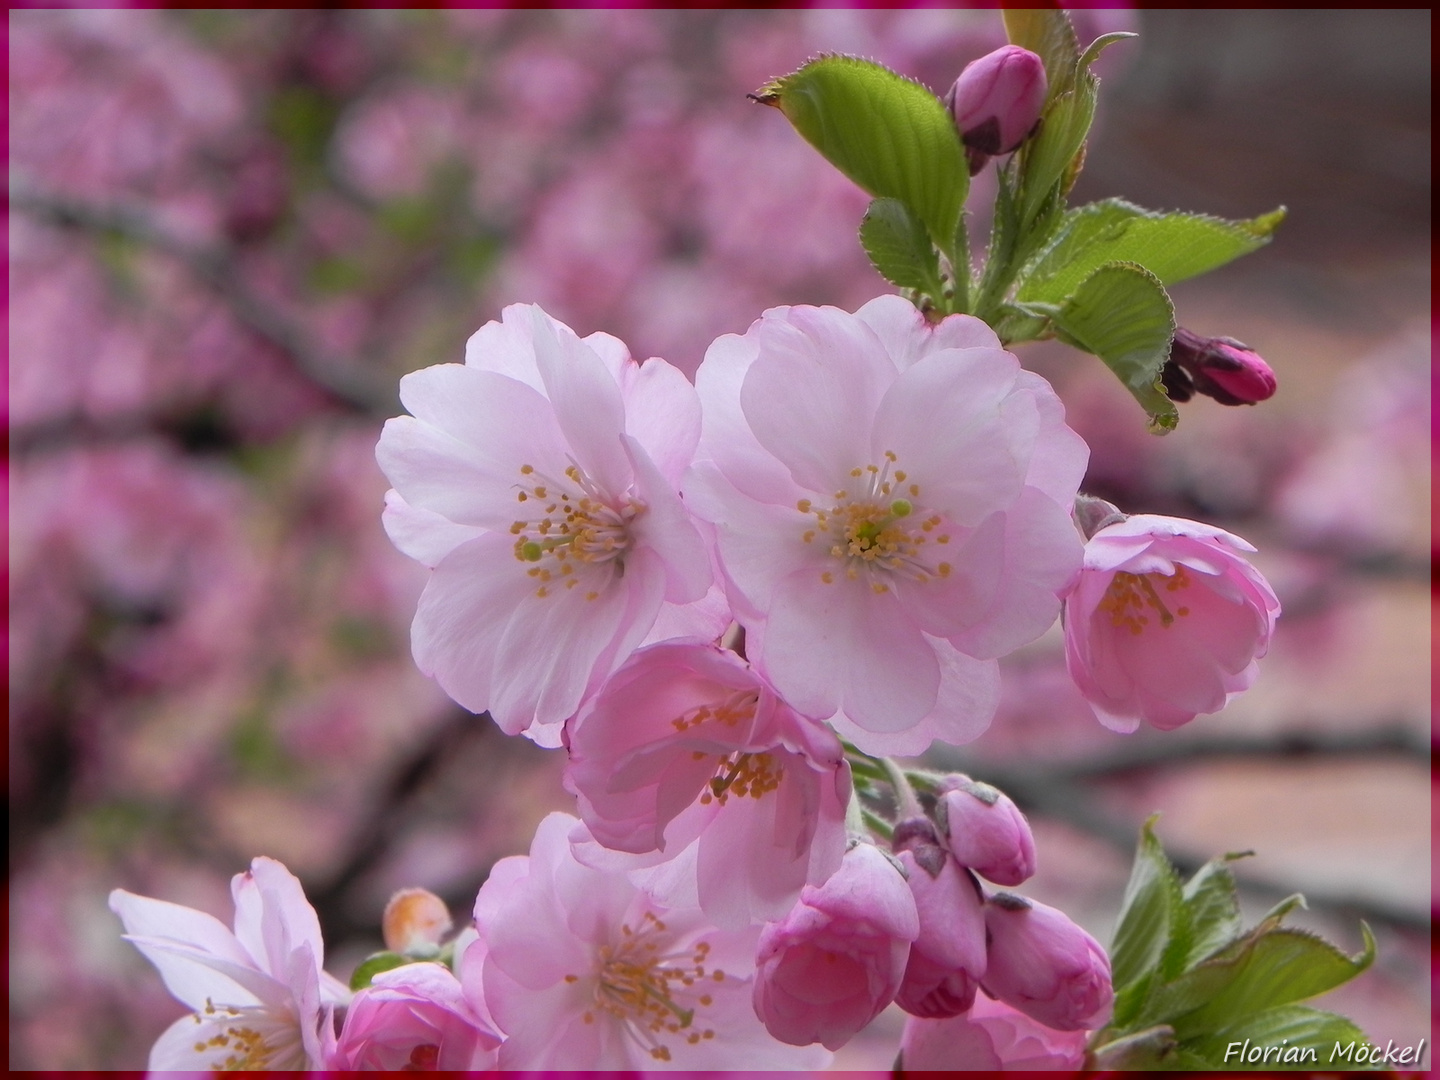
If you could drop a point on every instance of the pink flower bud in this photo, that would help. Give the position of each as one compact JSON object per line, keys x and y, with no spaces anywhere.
{"x":1166,"y":621}
{"x":1222,"y":368}
{"x":987,"y":832}
{"x":991,"y":1036}
{"x":996,"y":102}
{"x":947,"y":959}
{"x":829,"y":967}
{"x":414,"y":1018}
{"x":1044,"y":965}
{"x":414,"y":922}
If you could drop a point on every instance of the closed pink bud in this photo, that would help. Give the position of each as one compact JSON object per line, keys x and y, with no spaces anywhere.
{"x":947,"y":959}
{"x":996,"y":102}
{"x":829,"y":967}
{"x":1044,"y":965}
{"x":987,"y":832}
{"x":1222,"y":368}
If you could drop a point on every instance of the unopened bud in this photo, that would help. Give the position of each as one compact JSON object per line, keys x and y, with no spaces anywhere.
{"x":414,"y":922}
{"x":986,"y":832}
{"x":1044,"y":965}
{"x":1222,"y":368}
{"x":996,"y":102}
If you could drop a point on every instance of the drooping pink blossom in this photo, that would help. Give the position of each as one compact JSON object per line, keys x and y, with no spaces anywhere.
{"x":260,"y":995}
{"x":1166,"y":621}
{"x":414,"y":1018}
{"x":686,"y":744}
{"x":582,"y":969}
{"x":986,"y":832}
{"x":539,"y":480}
{"x":947,"y":958}
{"x":838,"y":958}
{"x":991,"y":1035}
{"x":891,"y":501}
{"x":1041,"y":963}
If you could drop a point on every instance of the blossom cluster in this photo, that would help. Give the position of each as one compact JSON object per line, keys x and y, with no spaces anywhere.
{"x":718,"y":598}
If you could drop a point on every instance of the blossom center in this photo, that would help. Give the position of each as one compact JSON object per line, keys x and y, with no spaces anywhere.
{"x":1133,"y":599}
{"x":874,"y":528}
{"x":640,"y":979}
{"x":743,"y":774}
{"x":423,"y":1058}
{"x":575,"y":528}
{"x":253,"y":1039}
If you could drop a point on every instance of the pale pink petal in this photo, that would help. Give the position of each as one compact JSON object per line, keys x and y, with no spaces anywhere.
{"x":950,"y":420}
{"x":811,"y":395}
{"x":841,"y":646}
{"x":586,"y":400}
{"x":505,"y":347}
{"x":666,"y":528}
{"x":909,"y":336}
{"x":1059,"y":457}
{"x":425,"y":536}
{"x":273,"y":918}
{"x":459,"y":623}
{"x":662,"y":412}
{"x":190,"y":982}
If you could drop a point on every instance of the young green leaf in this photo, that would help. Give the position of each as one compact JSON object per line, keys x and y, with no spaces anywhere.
{"x":373,"y":965}
{"x":1214,"y":910}
{"x":900,"y":248}
{"x":1282,"y":966}
{"x":1172,"y":246}
{"x":1048,"y":34}
{"x":1148,"y":912}
{"x":1122,"y":314}
{"x":890,"y":135}
{"x":1287,"y":1035}
{"x":1044,"y":160}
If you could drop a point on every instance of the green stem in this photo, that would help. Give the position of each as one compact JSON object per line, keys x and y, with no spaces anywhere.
{"x":907,"y":805}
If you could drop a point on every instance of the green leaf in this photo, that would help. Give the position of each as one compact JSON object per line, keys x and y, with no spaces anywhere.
{"x":1173,"y":246}
{"x":890,"y":135}
{"x":1213,"y":908}
{"x":373,"y":965}
{"x":1048,"y":34}
{"x":1154,"y":1049}
{"x":1043,"y":160}
{"x":900,"y":248}
{"x":1122,"y":314}
{"x":1281,"y":966}
{"x":1299,"y":1035}
{"x":1147,"y":912}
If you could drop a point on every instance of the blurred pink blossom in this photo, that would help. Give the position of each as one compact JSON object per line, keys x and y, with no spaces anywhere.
{"x":991,"y":1035}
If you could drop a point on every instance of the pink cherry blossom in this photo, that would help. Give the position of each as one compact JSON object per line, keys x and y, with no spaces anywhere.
{"x":837,"y":959}
{"x":539,"y":480}
{"x":686,"y":744}
{"x":892,"y":502}
{"x":986,"y":832}
{"x":1044,"y":965}
{"x":992,"y":1035}
{"x":947,"y":959}
{"x":260,"y":996}
{"x":414,"y":1018}
{"x":585,"y":970}
{"x":1167,"y":621}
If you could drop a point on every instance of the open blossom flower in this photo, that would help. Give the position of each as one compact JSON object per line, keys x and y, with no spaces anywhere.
{"x":585,"y":970}
{"x":892,"y":507}
{"x":1166,"y":621}
{"x":260,"y":996}
{"x":834,"y":962}
{"x":414,"y":1018}
{"x":539,"y":480}
{"x":686,"y":744}
{"x":1044,"y":965}
{"x":991,"y":1035}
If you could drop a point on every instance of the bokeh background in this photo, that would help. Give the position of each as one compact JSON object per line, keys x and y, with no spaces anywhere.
{"x":231,"y":234}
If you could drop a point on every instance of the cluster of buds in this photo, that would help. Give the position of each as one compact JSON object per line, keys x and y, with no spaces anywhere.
{"x":919,"y":929}
{"x":996,"y":103}
{"x":1222,"y":368}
